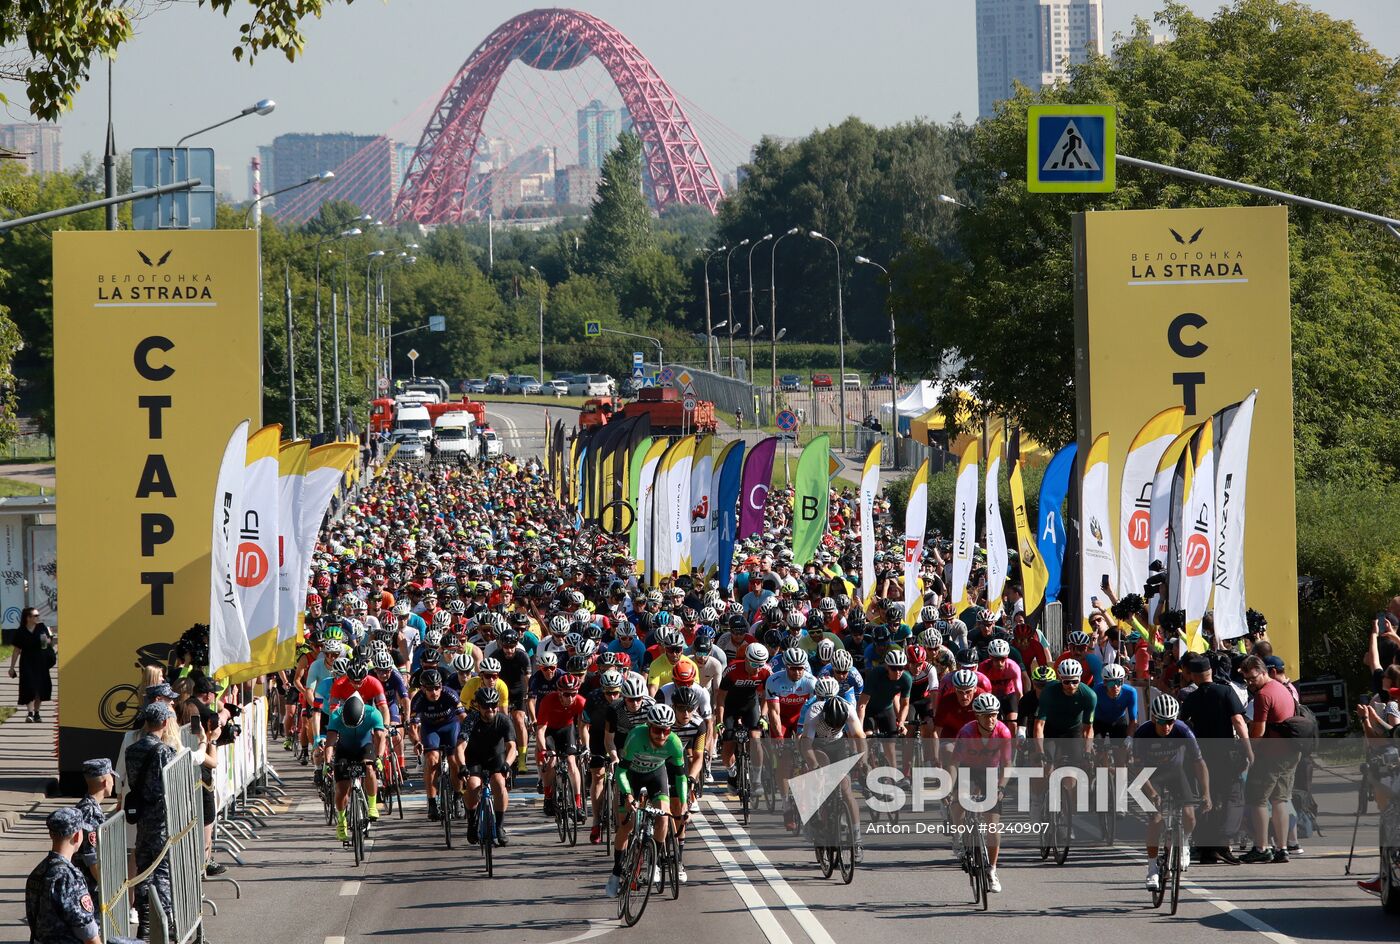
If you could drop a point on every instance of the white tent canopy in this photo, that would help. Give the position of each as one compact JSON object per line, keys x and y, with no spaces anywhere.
{"x":914,"y":404}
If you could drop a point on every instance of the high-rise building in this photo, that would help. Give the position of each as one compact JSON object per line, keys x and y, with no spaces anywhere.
{"x":598,"y":128}
{"x":295,"y":157}
{"x":576,"y":185}
{"x":38,"y":145}
{"x":1032,"y":42}
{"x":366,"y":173}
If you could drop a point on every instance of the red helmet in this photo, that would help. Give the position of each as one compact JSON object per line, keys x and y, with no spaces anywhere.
{"x":683,"y":673}
{"x":917,"y":654}
{"x":313,"y":599}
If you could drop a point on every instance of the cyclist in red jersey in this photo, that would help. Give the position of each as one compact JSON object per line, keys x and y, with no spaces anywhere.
{"x":955,"y":710}
{"x":557,"y":717}
{"x":1005,"y":676}
{"x":982,"y":753}
{"x":358,"y":679}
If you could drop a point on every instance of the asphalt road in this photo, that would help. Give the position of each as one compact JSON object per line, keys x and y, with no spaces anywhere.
{"x":522,"y":426}
{"x":757,"y":885}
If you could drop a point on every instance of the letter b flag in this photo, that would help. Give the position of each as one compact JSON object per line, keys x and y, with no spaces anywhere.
{"x":809,"y":511}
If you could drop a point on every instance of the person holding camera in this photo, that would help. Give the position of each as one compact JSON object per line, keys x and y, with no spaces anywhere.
{"x":1380,"y":772}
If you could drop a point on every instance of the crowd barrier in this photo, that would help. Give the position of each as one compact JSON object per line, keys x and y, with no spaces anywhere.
{"x":242,"y":782}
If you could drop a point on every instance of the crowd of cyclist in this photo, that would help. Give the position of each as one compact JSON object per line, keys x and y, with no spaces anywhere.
{"x":456,"y":613}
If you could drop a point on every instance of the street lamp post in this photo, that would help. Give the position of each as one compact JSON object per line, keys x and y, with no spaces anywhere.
{"x":371,"y":336}
{"x":776,"y":335}
{"x":542,"y":283}
{"x":729,"y":296}
{"x":709,"y":330}
{"x":894,"y":368}
{"x":320,"y":399}
{"x":261,"y":107}
{"x":765,"y":238}
{"x":840,"y":332}
{"x":403,"y":258}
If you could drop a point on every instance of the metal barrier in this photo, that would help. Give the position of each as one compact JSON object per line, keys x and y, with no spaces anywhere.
{"x":728,"y":395}
{"x":183,"y":823}
{"x":112,"y":886}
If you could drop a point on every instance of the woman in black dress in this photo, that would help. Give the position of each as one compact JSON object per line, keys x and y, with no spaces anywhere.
{"x":34,"y":650}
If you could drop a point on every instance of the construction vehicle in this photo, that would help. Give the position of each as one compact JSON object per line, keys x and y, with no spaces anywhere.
{"x":597,"y":411}
{"x":668,"y":415}
{"x":383,"y":410}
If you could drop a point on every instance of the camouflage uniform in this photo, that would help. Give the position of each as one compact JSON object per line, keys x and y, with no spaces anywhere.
{"x":86,"y":856}
{"x":57,"y":904}
{"x":145,"y":760}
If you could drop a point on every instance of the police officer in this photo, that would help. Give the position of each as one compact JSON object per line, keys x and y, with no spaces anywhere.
{"x":99,"y":787}
{"x":145,"y":759}
{"x":57,"y":903}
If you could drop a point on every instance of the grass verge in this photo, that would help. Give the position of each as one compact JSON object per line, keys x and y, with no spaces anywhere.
{"x":16,"y":488}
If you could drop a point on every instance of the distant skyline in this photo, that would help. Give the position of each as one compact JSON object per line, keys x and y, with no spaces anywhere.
{"x":783,"y":67}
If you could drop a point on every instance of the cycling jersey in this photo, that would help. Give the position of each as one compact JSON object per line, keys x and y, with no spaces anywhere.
{"x":975,"y":749}
{"x":319,"y":679}
{"x":789,"y":695}
{"x":1110,"y":710}
{"x":742,"y":685}
{"x":660,"y":671}
{"x":880,"y":689}
{"x":952,"y":716}
{"x":355,"y":739}
{"x":554,"y":712}
{"x":370,"y":688}
{"x":702,"y":711}
{"x":433,"y":714}
{"x":639,"y":759}
{"x":815,"y":728}
{"x":542,"y":684}
{"x":394,"y":689}
{"x":852,"y":686}
{"x":489,"y":741}
{"x":1003,"y":675}
{"x":1172,"y":749}
{"x":469,"y":692}
{"x":636,"y":652}
{"x":945,"y":685}
{"x":1065,"y":715}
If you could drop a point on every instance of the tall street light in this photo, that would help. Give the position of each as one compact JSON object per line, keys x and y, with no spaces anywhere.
{"x":777,"y":335}
{"x":729,"y":295}
{"x":403,"y":258}
{"x":371,"y":337}
{"x":840,"y":332}
{"x":320,"y":406}
{"x":542,"y":284}
{"x":765,"y":238}
{"x":894,"y":369}
{"x":261,"y":107}
{"x":709,"y":329}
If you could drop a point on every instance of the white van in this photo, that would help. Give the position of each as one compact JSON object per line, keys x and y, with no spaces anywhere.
{"x":455,"y":435}
{"x":414,"y":418}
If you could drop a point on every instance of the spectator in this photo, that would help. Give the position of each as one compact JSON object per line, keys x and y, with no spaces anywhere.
{"x":1275,"y":667}
{"x":1384,"y":649}
{"x":1269,"y":789}
{"x":1215,"y":715}
{"x":35,"y":653}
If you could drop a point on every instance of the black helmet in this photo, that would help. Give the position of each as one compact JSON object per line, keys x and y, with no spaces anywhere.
{"x":836,"y":711}
{"x":353,"y":711}
{"x":357,"y":671}
{"x":487,"y":696}
{"x":687,"y":698}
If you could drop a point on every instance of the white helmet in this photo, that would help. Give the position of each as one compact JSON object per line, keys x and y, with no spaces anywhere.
{"x":842,"y":661}
{"x":1069,"y":669}
{"x":826,"y":686}
{"x":794,"y":658}
{"x":986,"y":704}
{"x":547,"y":660}
{"x":634,"y":686}
{"x":1113,"y":672}
{"x":998,"y":649}
{"x":756,"y":654}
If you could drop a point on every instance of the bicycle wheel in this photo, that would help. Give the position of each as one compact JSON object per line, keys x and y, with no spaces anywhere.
{"x":1163,"y":864}
{"x":985,"y":869}
{"x":672,"y":873}
{"x":445,"y":795}
{"x":1177,"y":850}
{"x":1063,"y":820}
{"x":1047,"y":831}
{"x":606,"y":814}
{"x":974,"y":873}
{"x":845,"y":844}
{"x":568,"y":802}
{"x":636,"y":890}
{"x":357,"y":836}
{"x":741,"y":776}
{"x":769,"y":778}
{"x":486,"y":834}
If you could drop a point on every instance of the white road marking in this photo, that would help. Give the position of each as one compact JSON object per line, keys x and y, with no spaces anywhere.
{"x":753,"y":902}
{"x":1239,"y":914}
{"x":349,"y":889}
{"x":790,"y":898}
{"x":337,"y":939}
{"x":597,"y":928}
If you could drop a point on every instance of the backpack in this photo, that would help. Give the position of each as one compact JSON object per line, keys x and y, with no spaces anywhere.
{"x":1302,"y":728}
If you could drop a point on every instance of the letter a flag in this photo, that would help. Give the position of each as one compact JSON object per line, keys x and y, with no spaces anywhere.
{"x":1049,"y":516}
{"x":915,"y":524}
{"x":1096,"y":559}
{"x":728,"y":469}
{"x":255,"y":562}
{"x":1032,"y":567}
{"x":964,"y":524}
{"x":1135,"y":497}
{"x":1198,"y":553}
{"x":753,"y":493}
{"x":809,"y":509}
{"x":1231,"y":474}
{"x":869,"y":486}
{"x":998,"y":560}
{"x":228,"y":634}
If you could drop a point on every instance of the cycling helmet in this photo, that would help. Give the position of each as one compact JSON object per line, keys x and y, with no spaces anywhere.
{"x":457,"y":608}
{"x":607,"y":659}
{"x":1165,"y":708}
{"x":442,"y":619}
{"x":964,"y":679}
{"x":896,"y":659}
{"x":1078,"y":638}
{"x":573,"y":640}
{"x":353,"y":711}
{"x":756,"y":654}
{"x":611,"y":680}
{"x":709,"y":616}
{"x":931,"y":639}
{"x":736,"y":621}
{"x":508,"y":638}
{"x":313,"y":599}
{"x":547,"y":660}
{"x":333,"y":632}
{"x":968,"y":658}
{"x":593,"y":633}
{"x":519,"y":621}
{"x":928,"y":614}
{"x":575,"y":599}
{"x":842,"y":661}
{"x":1043,"y":673}
{"x":986,"y":704}
{"x":826,"y":686}
{"x":660,"y":716}
{"x":357,"y":671}
{"x":634,"y":686}
{"x":894,"y":612}
{"x":463,"y":662}
{"x":704,"y":638}
{"x":881,"y":634}
{"x":569,"y":683}
{"x":430,"y":679}
{"x":773,"y":638}
{"x":827,"y":605}
{"x":402,"y":609}
{"x":670,"y":639}
{"x":1069,"y":669}
{"x":687,"y":698}
{"x":577,"y":665}
{"x":340,"y":666}
{"x":625,"y":630}
{"x":998,"y":648}
{"x":825,"y":650}
{"x":558,"y":625}
{"x":916,"y":653}
{"x":490,"y":666}
{"x":431,"y":656}
{"x":843,"y":602}
{"x":382,"y":659}
{"x":794,"y":657}
{"x":836,"y":712}
{"x":433,"y":637}
{"x":1114,"y":672}
{"x":796,"y":620}
{"x":487,"y":696}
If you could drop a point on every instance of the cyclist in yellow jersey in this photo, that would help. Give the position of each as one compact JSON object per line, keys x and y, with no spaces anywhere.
{"x":488,"y":674}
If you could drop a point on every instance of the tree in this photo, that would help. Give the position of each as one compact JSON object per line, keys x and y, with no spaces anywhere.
{"x":61,"y":40}
{"x":1267,"y":91}
{"x":619,"y":228}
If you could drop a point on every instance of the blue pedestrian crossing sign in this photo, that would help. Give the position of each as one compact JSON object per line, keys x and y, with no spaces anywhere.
{"x":1070,"y":149}
{"x":592,"y":329}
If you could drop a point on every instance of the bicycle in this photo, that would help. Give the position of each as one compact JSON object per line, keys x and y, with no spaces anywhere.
{"x":1170,"y":848}
{"x":976,"y":859}
{"x":486,"y":824}
{"x":566,"y":817}
{"x":607,"y":803}
{"x":358,"y":816}
{"x":448,"y":799}
{"x":1106,"y":805}
{"x":391,"y":790}
{"x":640,"y":863}
{"x":1057,"y":824}
{"x":834,"y":838}
{"x":743,"y":772}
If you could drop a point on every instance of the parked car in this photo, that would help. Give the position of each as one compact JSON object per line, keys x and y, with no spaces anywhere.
{"x":790,"y":382}
{"x":475,"y":385}
{"x":523,"y":384}
{"x":557,"y":387}
{"x":850,"y":381}
{"x":882,"y":382}
{"x":496,"y":383}
{"x":412,"y":447}
{"x":822,"y":380}
{"x":592,"y":385}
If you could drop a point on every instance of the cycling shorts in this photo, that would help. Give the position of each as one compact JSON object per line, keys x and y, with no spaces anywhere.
{"x":1172,"y":782}
{"x":350,"y":761}
{"x":563,"y":741}
{"x":655,"y":784}
{"x":746,"y":716}
{"x":883,"y":723}
{"x":443,"y":737}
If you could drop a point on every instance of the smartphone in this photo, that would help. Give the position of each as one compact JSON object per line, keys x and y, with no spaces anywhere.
{"x":1104,"y":582}
{"x":1365,"y":699}
{"x":1093,"y":601}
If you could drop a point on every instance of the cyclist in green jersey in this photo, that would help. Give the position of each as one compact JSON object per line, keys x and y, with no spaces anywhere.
{"x":652,"y":759}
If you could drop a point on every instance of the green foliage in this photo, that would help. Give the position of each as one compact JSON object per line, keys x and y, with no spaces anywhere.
{"x":619,"y":229}
{"x":63,"y":38}
{"x":1267,"y":91}
{"x":942,"y":492}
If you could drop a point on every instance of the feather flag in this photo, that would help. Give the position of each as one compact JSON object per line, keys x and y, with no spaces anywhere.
{"x":997,"y":559}
{"x":869,"y":487}
{"x":964,"y":525}
{"x":1233,"y":427}
{"x":1135,"y":496}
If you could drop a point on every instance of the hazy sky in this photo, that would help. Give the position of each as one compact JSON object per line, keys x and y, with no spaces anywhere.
{"x":767,"y":67}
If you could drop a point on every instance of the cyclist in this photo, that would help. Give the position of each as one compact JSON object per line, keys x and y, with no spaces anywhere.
{"x":832,"y":731}
{"x":1116,"y":712}
{"x":692,"y":728}
{"x":598,"y":704}
{"x":884,"y":705}
{"x":1004,"y":674}
{"x":673,"y":655}
{"x":955,"y":711}
{"x":652,"y":759}
{"x":843,"y":669}
{"x":1066,"y":714}
{"x":555,"y":732}
{"x":982,"y":754}
{"x":354,"y":740}
{"x":1165,"y":744}
{"x":490,"y":752}
{"x":784,"y":696}
{"x":434,"y":724}
{"x":739,"y":701}
{"x":515,"y":673}
{"x":396,"y":691}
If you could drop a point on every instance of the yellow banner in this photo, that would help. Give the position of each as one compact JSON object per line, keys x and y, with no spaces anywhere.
{"x":1191,"y":307}
{"x":155,"y":360}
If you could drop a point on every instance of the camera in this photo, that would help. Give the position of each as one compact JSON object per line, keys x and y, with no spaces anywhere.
{"x":229,"y":734}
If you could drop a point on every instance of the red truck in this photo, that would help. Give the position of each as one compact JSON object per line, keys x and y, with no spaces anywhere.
{"x":663,"y":405}
{"x":381,"y":415}
{"x":597,"y":411}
